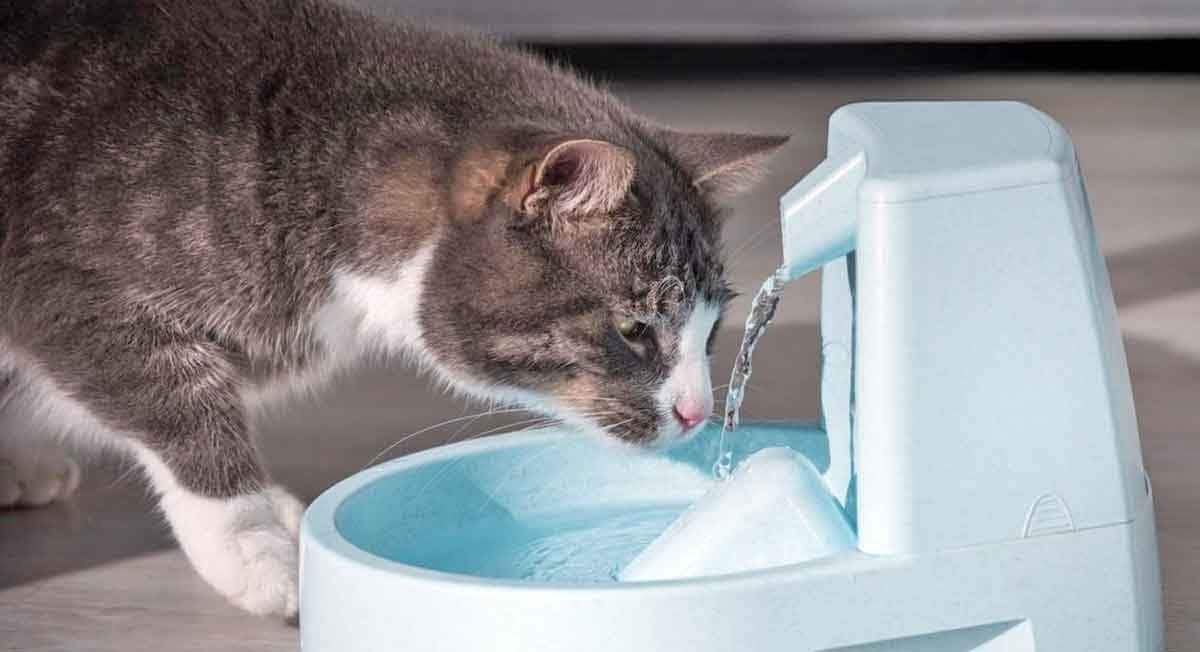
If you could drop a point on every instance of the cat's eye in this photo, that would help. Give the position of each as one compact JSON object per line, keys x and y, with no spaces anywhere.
{"x":631,"y":329}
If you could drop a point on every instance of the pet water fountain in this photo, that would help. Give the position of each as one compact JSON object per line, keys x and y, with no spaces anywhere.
{"x":975,"y":482}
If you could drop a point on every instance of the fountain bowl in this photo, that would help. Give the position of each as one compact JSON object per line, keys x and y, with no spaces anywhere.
{"x":514,"y":542}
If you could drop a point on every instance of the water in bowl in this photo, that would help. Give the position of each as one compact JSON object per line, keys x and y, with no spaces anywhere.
{"x":591,"y":546}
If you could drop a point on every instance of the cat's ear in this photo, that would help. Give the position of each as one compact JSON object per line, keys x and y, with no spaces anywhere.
{"x":577,"y":178}
{"x":722,"y":165}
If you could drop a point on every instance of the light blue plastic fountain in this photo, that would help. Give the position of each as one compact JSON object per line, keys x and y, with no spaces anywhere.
{"x":978,"y":431}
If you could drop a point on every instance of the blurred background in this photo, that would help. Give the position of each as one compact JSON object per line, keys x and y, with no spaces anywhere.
{"x":1122,"y":76}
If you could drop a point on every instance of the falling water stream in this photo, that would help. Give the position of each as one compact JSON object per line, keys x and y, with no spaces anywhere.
{"x":762,"y":311}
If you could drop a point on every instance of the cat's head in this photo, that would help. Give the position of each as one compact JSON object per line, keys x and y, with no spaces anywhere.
{"x":584,"y":277}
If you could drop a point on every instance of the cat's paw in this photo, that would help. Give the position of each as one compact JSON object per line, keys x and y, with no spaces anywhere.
{"x":269,"y":566}
{"x":36,"y":477}
{"x":245,"y":547}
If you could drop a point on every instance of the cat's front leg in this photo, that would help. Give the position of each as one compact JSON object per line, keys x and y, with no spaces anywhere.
{"x":174,"y":400}
{"x":239,"y":531}
{"x":243,"y":543}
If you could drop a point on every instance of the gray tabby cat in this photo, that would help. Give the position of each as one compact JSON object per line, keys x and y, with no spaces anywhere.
{"x":207,"y":205}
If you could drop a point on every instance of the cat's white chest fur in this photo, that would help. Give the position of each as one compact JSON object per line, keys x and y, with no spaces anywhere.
{"x":365,"y":317}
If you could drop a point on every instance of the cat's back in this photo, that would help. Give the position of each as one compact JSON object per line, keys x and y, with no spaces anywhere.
{"x":121,"y":81}
{"x":102,"y":54}
{"x":105,"y":41}
{"x":239,"y":55}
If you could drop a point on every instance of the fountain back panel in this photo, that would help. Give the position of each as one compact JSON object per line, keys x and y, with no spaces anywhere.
{"x":977,"y":425}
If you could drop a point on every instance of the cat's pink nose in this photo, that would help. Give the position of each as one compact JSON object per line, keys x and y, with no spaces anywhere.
{"x":692,"y":412}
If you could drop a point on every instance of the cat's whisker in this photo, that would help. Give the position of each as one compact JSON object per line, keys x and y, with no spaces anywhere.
{"x":536,"y":422}
{"x":493,"y":410}
{"x":750,"y":240}
{"x":441,"y":473}
{"x":619,"y":423}
{"x":515,"y":424}
{"x":609,"y":429}
{"x":435,"y":426}
{"x":463,"y":428}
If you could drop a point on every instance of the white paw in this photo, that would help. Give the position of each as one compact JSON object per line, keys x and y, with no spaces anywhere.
{"x":36,"y":476}
{"x":268,"y":566}
{"x":245,"y":547}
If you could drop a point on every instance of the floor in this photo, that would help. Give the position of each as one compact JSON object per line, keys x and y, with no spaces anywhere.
{"x":101,"y":573}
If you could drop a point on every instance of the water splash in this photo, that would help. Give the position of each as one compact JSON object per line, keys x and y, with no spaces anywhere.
{"x":762,"y":311}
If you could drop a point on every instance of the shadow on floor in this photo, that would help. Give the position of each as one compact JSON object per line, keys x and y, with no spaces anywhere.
{"x":110,"y":518}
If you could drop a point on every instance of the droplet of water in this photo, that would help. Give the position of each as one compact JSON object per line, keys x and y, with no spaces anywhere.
{"x":724,"y":464}
{"x":762,"y":311}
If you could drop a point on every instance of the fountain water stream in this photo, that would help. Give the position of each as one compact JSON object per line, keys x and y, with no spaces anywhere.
{"x":762,"y":311}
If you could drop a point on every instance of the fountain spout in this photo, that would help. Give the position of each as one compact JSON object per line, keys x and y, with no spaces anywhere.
{"x":820,"y":214}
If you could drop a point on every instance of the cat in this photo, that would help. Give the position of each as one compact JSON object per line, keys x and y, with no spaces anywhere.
{"x":207,"y":206}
